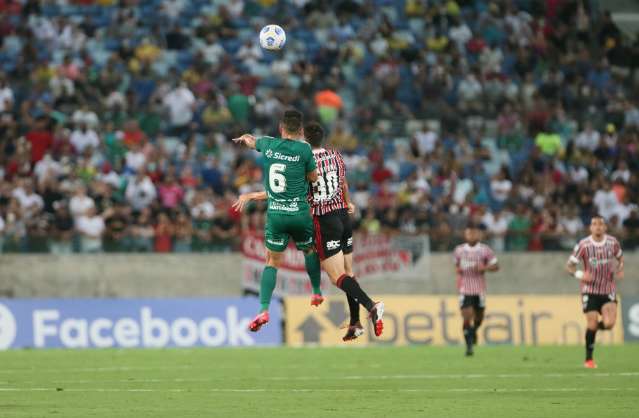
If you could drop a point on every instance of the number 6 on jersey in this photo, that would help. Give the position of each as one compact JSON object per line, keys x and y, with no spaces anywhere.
{"x":277,"y":180}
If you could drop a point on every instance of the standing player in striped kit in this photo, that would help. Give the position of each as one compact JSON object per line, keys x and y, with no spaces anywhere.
{"x":598,"y":253}
{"x":472,"y":260}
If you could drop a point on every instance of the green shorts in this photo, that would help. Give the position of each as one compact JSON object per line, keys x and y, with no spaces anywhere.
{"x":280,"y":227}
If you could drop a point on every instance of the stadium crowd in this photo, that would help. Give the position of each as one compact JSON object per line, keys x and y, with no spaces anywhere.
{"x":116,"y":118}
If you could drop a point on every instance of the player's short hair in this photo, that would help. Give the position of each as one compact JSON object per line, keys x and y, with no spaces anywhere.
{"x":314,"y":134}
{"x":292,"y":121}
{"x":597,"y":216}
{"x":476,"y":225}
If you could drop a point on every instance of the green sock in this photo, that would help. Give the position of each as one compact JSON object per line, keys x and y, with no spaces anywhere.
{"x":314,"y":270}
{"x":267,"y":285}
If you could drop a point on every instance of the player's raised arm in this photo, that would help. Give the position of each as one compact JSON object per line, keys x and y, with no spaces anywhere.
{"x":246,"y":139}
{"x":245,"y":198}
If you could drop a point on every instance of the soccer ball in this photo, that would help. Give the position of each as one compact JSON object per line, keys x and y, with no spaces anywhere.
{"x":272,"y":37}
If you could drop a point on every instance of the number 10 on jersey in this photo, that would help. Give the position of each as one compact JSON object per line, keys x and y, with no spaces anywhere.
{"x":325,"y":186}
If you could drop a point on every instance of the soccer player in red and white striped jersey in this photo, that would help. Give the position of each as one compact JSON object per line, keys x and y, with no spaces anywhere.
{"x":472,"y":260}
{"x":331,"y":207}
{"x":330,"y":192}
{"x":602,"y":258}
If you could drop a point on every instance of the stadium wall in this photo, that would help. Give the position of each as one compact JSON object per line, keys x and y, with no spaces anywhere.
{"x":214,"y":275}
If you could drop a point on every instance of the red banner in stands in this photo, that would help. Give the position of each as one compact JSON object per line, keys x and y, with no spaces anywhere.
{"x":373,"y":255}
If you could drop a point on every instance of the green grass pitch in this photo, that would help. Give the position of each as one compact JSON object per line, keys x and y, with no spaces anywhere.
{"x":412,"y":381}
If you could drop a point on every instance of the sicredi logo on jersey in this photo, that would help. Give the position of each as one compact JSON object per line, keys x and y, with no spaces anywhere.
{"x":282,"y":157}
{"x":7,"y":327}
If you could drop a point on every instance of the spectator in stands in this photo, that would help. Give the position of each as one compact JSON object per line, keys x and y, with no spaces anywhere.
{"x":588,"y":139}
{"x":183,"y":233}
{"x":170,"y":192}
{"x":572,"y":227}
{"x":80,"y":203}
{"x":40,"y":139}
{"x":496,"y":224}
{"x":83,"y":138}
{"x":180,"y":103}
{"x":62,"y":229}
{"x":519,"y":230}
{"x":91,"y":228}
{"x":140,"y":192}
{"x":6,"y":95}
{"x":500,"y":187}
{"x":142,"y":232}
{"x":117,"y":228}
{"x":605,"y":200}
{"x":85,"y":116}
{"x":164,"y":231}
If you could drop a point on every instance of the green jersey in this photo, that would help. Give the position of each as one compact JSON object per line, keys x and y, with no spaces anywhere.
{"x":285,"y":165}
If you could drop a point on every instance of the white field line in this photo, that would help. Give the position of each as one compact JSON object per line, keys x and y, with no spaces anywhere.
{"x":158,"y":368}
{"x":252,"y":390}
{"x":347,"y":377}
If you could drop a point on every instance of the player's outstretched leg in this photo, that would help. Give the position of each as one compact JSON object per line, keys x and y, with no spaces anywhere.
{"x":375,"y":309}
{"x":334,"y":267}
{"x":267,"y":286}
{"x":468,"y":328}
{"x":314,"y":270}
{"x":355,"y":328}
{"x":608,"y":320}
{"x":591,"y":333}
{"x":479,"y":318}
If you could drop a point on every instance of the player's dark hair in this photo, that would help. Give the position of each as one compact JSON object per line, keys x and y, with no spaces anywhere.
{"x":597,"y":216}
{"x":292,"y":121}
{"x":475,"y":225}
{"x":314,"y":134}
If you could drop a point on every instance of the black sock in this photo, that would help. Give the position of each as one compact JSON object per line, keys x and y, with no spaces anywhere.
{"x":600,"y":325}
{"x":352,"y":289}
{"x":468,"y":336}
{"x":353,"y":308}
{"x":590,"y":343}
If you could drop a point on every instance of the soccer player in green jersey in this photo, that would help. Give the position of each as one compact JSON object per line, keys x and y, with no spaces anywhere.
{"x":288,"y":166}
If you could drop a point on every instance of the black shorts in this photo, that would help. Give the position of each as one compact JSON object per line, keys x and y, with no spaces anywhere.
{"x":472,"y":301}
{"x":333,"y":233}
{"x":591,"y":302}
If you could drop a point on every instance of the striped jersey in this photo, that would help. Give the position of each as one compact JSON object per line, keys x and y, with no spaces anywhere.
{"x":327,"y":193}
{"x":598,"y":259}
{"x":468,"y":259}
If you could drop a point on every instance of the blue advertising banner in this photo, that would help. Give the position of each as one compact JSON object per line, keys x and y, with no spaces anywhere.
{"x":153,"y":323}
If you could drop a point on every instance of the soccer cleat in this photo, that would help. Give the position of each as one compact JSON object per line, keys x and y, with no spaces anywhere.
{"x":376,"y":315}
{"x":590,"y":364}
{"x":353,"y":332}
{"x":469,"y":352}
{"x":317,"y":299}
{"x":258,"y":321}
